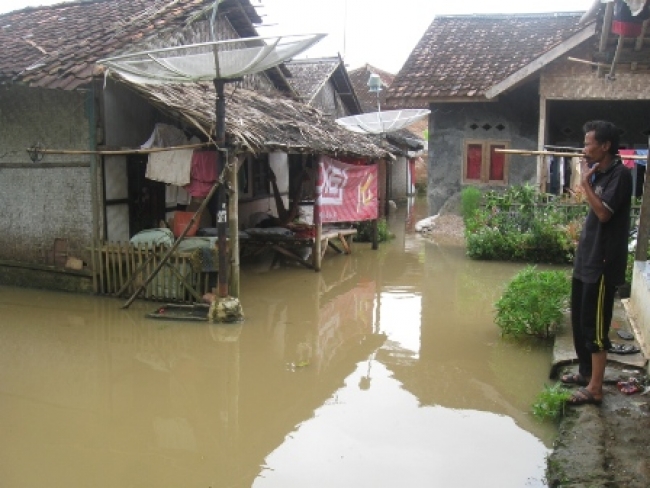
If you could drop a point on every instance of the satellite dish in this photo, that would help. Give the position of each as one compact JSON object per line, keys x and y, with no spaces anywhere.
{"x":208,"y":61}
{"x":382,"y":122}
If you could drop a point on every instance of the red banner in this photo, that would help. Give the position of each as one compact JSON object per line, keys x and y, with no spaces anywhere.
{"x":346,"y":192}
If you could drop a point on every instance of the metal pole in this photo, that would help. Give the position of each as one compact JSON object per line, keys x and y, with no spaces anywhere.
{"x":222,"y":213}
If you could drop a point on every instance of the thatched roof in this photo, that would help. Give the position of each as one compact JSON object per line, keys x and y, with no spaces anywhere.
{"x":256,"y":122}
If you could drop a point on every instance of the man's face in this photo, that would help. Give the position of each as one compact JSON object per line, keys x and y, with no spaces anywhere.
{"x":595,"y":151}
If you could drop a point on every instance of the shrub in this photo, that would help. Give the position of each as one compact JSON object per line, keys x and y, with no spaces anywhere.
{"x":533,"y":303}
{"x":470,"y":200}
{"x":549,"y":404}
{"x":520,"y":224}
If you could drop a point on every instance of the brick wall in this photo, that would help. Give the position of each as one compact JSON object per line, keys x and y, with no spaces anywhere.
{"x":41,"y":203}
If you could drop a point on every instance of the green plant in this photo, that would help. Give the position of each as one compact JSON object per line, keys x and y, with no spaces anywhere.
{"x":533,"y":303}
{"x":520,"y":224}
{"x":470,"y":199}
{"x":549,"y":404}
{"x":364,"y":231}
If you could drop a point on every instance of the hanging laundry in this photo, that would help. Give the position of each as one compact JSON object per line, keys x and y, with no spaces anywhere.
{"x":625,"y":23}
{"x":165,"y":135}
{"x":176,"y":195}
{"x":203,"y":173}
{"x":171,"y":167}
{"x":629,"y":163}
{"x":642,"y":152}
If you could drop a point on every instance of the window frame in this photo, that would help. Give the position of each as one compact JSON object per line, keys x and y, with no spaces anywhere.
{"x":257,"y":174}
{"x":486,"y":146}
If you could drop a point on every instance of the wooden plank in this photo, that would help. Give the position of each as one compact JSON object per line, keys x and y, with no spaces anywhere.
{"x":344,"y":243}
{"x":182,"y":279}
{"x":122,"y":261}
{"x":100,"y":265}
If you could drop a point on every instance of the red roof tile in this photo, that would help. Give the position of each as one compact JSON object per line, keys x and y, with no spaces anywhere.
{"x":57,"y":46}
{"x":359,"y":78}
{"x":465,"y":55}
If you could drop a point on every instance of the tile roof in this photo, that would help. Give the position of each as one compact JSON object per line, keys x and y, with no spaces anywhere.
{"x":368,"y":100}
{"x":359,"y":78}
{"x":57,"y":46}
{"x":462,"y":56}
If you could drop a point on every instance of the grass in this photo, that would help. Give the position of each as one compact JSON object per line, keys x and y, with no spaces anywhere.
{"x":550,"y":402}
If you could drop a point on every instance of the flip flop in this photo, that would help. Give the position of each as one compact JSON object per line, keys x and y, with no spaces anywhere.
{"x":582,"y":396}
{"x":574,"y":379}
{"x":624,"y":349}
{"x":624,"y":334}
{"x":629,"y":387}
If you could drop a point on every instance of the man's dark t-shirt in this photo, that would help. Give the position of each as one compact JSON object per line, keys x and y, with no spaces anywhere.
{"x":602,"y":249}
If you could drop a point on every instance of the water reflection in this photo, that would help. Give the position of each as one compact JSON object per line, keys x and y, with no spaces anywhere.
{"x":384,"y":369}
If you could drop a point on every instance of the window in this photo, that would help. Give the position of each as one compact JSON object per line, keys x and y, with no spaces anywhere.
{"x":253,"y":176}
{"x":483,"y":164}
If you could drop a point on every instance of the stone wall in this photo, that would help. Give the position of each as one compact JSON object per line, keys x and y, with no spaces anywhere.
{"x":49,"y":199}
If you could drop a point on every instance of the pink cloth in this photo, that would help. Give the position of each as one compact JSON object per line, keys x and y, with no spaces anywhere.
{"x":203,"y":173}
{"x":627,"y":152}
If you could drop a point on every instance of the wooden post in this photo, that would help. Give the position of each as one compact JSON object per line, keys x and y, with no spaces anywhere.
{"x":233,"y":226}
{"x":375,"y":236}
{"x":316,"y":251}
{"x":541,"y":140}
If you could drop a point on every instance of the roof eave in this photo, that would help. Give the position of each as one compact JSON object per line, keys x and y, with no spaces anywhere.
{"x":537,"y":64}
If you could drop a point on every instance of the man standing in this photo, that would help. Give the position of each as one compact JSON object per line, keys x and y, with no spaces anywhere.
{"x":601,"y":257}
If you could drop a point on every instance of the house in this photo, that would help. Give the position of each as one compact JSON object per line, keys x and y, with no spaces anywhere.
{"x":402,"y":177}
{"x":324,"y":83}
{"x":519,"y":81}
{"x":80,"y":191}
{"x":529,"y":82}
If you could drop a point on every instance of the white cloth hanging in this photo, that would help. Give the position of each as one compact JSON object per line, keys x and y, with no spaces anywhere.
{"x":171,"y":167}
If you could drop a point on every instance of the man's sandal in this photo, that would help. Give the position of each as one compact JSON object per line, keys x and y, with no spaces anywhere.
{"x":582,"y":396}
{"x":574,"y":379}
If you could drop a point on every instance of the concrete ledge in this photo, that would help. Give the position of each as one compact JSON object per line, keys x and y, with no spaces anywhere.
{"x":28,"y":275}
{"x":564,"y":353}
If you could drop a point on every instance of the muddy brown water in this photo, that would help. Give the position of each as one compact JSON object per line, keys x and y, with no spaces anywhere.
{"x":385,"y":369}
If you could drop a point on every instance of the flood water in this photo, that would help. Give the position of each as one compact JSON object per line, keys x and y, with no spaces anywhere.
{"x":383,"y":370}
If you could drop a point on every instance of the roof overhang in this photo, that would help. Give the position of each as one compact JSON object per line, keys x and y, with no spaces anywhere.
{"x":546,"y":58}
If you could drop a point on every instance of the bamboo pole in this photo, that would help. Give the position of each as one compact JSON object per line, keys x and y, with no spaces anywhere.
{"x":233,"y":223}
{"x":524,"y":152}
{"x":119,"y":152}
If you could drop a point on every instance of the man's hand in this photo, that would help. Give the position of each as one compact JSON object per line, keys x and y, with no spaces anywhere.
{"x":587,"y":171}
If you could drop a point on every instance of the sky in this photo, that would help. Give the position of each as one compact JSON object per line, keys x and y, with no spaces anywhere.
{"x":377,"y":32}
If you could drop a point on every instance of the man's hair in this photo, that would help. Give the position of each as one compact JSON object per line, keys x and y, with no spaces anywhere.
{"x":603,"y":132}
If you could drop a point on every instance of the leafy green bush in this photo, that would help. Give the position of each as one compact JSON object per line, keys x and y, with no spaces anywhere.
{"x":519,"y":224}
{"x":549,"y":404}
{"x":533,"y":303}
{"x":364,"y":231}
{"x":470,"y":200}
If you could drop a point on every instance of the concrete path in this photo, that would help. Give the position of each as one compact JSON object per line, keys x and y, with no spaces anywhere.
{"x":564,"y":354}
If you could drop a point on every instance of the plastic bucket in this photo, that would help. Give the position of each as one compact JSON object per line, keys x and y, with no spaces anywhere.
{"x":181,"y":219}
